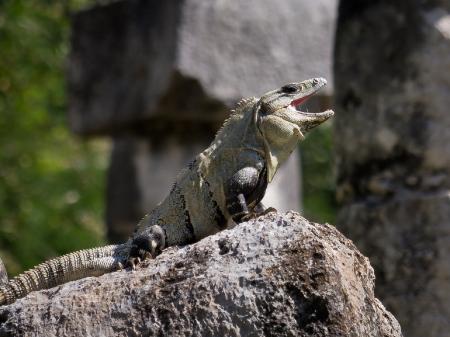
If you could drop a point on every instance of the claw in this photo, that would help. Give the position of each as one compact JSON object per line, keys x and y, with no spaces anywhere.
{"x":153,"y":245}
{"x":133,"y":262}
{"x":145,"y":245}
{"x":269,"y":210}
{"x":254,"y":215}
{"x":249,"y":216}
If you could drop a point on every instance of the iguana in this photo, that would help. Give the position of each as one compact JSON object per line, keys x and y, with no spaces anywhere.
{"x":227,"y":180}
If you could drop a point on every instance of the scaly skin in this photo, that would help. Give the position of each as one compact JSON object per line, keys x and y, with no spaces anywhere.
{"x":226,"y":181}
{"x":3,"y":274}
{"x":73,"y":266}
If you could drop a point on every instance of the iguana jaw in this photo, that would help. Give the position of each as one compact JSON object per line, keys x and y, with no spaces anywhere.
{"x":282,"y":125}
{"x":304,"y":120}
{"x":285,"y":103}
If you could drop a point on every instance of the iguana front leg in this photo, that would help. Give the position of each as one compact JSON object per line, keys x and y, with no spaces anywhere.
{"x":260,"y":209}
{"x":145,"y":244}
{"x":244,"y":191}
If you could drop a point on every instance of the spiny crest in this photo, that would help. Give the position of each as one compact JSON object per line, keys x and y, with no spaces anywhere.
{"x":237,"y":113}
{"x":243,"y":103}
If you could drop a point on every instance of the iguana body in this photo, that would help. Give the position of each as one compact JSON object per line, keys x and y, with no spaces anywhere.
{"x":227,"y":180}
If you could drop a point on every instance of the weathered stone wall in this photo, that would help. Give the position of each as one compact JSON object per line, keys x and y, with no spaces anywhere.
{"x":278,"y":275}
{"x":392,"y":132}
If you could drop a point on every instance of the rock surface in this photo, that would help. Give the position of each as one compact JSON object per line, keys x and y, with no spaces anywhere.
{"x":278,"y":275}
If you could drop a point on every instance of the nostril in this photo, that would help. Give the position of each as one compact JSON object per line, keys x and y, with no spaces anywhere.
{"x":315,"y":81}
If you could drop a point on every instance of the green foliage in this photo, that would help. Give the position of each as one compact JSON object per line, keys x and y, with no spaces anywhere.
{"x":318,"y":180}
{"x":51,"y":185}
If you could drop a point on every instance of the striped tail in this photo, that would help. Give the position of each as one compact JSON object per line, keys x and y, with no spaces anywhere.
{"x":3,"y":273}
{"x":70,"y":267}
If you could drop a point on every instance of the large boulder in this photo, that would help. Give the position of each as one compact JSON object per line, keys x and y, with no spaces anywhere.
{"x":278,"y":275}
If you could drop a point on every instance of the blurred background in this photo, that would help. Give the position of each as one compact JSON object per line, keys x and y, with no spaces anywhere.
{"x":102,"y":102}
{"x":53,"y":181}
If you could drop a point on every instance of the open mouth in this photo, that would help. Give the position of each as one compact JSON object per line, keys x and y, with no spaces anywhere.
{"x":307,"y":120}
{"x":299,"y":103}
{"x":296,"y":103}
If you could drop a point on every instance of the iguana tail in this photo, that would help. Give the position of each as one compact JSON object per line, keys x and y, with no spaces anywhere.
{"x":3,"y":273}
{"x":73,"y":266}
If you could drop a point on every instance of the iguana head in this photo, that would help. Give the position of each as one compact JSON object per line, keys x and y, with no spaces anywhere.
{"x":282,"y":124}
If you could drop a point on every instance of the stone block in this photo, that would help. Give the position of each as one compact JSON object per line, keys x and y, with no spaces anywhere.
{"x":132,"y":61}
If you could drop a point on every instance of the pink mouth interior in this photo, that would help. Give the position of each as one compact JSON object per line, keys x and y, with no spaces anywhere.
{"x":298,"y":101}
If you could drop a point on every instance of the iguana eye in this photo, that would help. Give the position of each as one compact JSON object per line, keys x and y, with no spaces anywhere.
{"x":289,"y":88}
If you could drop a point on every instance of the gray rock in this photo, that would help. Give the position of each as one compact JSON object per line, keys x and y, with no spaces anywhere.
{"x":392,"y":129}
{"x":278,"y":275}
